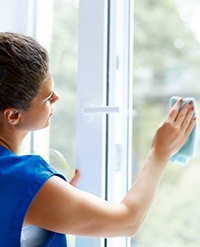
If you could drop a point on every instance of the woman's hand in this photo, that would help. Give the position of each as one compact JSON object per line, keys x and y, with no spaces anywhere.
{"x":76,"y":177}
{"x":174,"y":131}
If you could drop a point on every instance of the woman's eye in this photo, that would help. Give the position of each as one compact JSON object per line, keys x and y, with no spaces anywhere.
{"x":50,"y":97}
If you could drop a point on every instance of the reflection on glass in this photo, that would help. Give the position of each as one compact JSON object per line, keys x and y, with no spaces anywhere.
{"x":166,"y":63}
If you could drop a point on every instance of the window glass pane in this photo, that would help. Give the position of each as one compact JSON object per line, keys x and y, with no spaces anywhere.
{"x":63,"y":55}
{"x":166,"y":63}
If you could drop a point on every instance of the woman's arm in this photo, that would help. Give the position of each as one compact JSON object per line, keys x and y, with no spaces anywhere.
{"x":62,"y":208}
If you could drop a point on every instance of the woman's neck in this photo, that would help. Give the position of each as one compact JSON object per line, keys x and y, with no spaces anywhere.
{"x":13,"y":144}
{"x":11,"y":137}
{"x":4,"y":144}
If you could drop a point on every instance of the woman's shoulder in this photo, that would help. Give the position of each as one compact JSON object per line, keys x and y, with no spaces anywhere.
{"x":25,"y":166}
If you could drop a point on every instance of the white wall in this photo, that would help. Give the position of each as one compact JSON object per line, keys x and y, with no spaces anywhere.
{"x":17,"y":15}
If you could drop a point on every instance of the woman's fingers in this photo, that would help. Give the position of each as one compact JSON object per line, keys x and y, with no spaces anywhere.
{"x":186,"y":119}
{"x":185,"y":115}
{"x":190,"y":126}
{"x":175,"y":110}
{"x":76,"y":177}
{"x":182,"y":117}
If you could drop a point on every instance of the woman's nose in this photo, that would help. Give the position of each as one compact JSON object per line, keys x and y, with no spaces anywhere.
{"x":55,"y":97}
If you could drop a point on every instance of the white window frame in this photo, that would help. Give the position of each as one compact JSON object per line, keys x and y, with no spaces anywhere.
{"x":104,"y":68}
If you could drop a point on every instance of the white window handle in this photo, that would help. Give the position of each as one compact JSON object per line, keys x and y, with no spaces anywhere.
{"x":88,"y":110}
{"x":101,"y":109}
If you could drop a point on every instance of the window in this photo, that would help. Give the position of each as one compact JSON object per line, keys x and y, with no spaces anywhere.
{"x":166,"y":63}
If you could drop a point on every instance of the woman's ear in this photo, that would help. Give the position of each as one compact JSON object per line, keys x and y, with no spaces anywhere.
{"x":12,"y":116}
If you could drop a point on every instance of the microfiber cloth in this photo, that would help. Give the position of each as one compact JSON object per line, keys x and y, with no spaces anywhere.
{"x":188,"y":149}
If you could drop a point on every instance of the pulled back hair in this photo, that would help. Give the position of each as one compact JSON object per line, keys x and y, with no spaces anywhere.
{"x":23,"y":68}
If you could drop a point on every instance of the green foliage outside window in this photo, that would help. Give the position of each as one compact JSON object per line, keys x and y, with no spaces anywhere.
{"x":166,"y":63}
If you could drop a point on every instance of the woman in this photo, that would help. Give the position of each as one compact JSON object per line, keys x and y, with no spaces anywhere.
{"x":38,"y":207}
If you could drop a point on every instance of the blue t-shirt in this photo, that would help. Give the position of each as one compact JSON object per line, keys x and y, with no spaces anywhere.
{"x":21,"y":177}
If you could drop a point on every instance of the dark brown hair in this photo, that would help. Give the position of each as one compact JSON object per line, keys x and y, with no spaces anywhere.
{"x":23,"y":68}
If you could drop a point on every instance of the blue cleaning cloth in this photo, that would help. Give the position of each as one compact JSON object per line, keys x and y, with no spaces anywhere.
{"x":188,"y":149}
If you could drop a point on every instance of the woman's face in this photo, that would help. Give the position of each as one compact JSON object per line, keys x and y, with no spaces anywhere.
{"x":38,"y":116}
